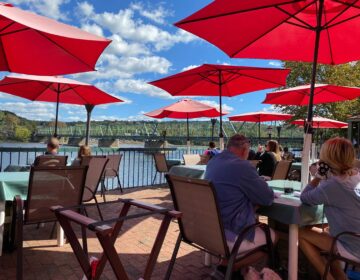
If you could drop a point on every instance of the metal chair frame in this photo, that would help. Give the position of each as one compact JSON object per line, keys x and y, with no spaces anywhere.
{"x":107,"y":236}
{"x":160,"y":165}
{"x":333,"y":255}
{"x":115,"y":172}
{"x":231,"y":257}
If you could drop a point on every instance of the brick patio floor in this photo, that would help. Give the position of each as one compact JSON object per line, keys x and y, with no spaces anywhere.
{"x":44,"y":260}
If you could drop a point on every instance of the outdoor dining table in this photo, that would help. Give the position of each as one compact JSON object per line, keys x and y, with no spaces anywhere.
{"x":286,"y":209}
{"x":12,"y":184}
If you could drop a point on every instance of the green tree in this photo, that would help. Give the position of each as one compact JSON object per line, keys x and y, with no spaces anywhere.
{"x":342,"y":75}
{"x":22,"y":133}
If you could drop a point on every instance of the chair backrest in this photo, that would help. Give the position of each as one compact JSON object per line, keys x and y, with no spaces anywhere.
{"x":93,"y":177}
{"x":282,"y":170}
{"x":85,"y":160}
{"x":201,"y":221}
{"x":50,"y":160}
{"x":191,"y":159}
{"x":112,"y":167}
{"x":160,"y":162}
{"x":50,"y":186}
{"x":254,"y":162}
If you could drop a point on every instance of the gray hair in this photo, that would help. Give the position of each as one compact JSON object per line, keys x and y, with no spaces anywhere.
{"x":237,"y":141}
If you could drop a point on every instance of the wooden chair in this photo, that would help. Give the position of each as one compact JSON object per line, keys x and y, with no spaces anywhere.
{"x":191,"y":159}
{"x":93,"y":179}
{"x":107,"y":236}
{"x":282,"y":170}
{"x":50,"y":160}
{"x":334,"y":255}
{"x":161,"y":165}
{"x":111,"y":171}
{"x":48,"y":186}
{"x":201,"y":225}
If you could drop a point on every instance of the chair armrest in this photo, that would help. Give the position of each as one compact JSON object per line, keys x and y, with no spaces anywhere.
{"x":151,"y":207}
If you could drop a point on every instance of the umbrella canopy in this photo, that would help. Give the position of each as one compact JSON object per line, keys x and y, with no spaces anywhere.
{"x":185,"y":109}
{"x":306,"y":30}
{"x":320,"y":122}
{"x":33,"y":44}
{"x":323,"y":93}
{"x":222,"y":80}
{"x":57,"y":89}
{"x":259,"y":117}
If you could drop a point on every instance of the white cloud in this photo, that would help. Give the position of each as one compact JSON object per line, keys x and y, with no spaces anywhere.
{"x":270,"y":108}
{"x":31,"y":110}
{"x":189,"y":67}
{"x":276,"y":63}
{"x":139,"y":86}
{"x":105,"y":118}
{"x":157,"y":14}
{"x":50,"y":8}
{"x":124,"y":24}
{"x":212,"y":103}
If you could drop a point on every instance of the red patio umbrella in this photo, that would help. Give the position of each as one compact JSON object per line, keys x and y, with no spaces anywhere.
{"x":323,"y":93}
{"x":33,"y":44}
{"x":306,"y":30}
{"x":222,"y":80}
{"x":320,"y":122}
{"x":57,"y":89}
{"x":259,"y":117}
{"x":185,"y":109}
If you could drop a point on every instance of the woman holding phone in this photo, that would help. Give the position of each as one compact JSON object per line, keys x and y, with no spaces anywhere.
{"x":336,"y":185}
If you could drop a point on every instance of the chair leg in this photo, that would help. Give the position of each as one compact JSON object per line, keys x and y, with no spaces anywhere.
{"x":118,"y":179}
{"x":327,"y":268}
{"x":53,"y":231}
{"x":173,"y":258}
{"x":19,"y":242}
{"x":98,"y":208}
{"x":153,"y":181}
{"x":103,"y":189}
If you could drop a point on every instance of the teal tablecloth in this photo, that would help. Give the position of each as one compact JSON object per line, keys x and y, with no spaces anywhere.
{"x":13,"y":183}
{"x":288,"y":209}
{"x":191,"y":171}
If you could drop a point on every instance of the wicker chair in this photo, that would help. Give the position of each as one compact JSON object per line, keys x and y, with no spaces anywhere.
{"x":191,"y":159}
{"x":282,"y":170}
{"x":201,"y":225}
{"x":160,"y":165}
{"x":107,"y":236}
{"x":111,"y":171}
{"x":48,"y":186}
{"x":50,"y":160}
{"x":334,"y":255}
{"x":96,"y":169}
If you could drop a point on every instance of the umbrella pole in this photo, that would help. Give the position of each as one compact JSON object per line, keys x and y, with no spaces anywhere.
{"x":188,"y":134}
{"x":308,"y":126}
{"x":57,"y":110}
{"x":259,"y":131}
{"x":89,"y":109}
{"x":221,"y":136}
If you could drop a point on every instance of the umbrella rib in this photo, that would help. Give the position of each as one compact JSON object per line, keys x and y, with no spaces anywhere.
{"x":306,"y":25}
{"x":271,"y":29}
{"x":65,"y":50}
{"x":236,"y":12}
{"x":342,"y":21}
{"x":7,"y":26}
{"x":339,"y":14}
{"x":13,"y":32}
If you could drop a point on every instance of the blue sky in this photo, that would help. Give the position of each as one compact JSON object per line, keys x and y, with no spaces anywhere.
{"x":146,"y":46}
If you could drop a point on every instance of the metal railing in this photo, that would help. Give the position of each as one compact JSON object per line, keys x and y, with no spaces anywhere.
{"x":137,"y":167}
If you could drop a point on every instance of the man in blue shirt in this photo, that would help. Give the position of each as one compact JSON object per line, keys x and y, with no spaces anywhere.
{"x":239,"y":190}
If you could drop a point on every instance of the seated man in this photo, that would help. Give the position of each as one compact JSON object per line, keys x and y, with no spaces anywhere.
{"x":239,"y":189}
{"x":52,"y":146}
